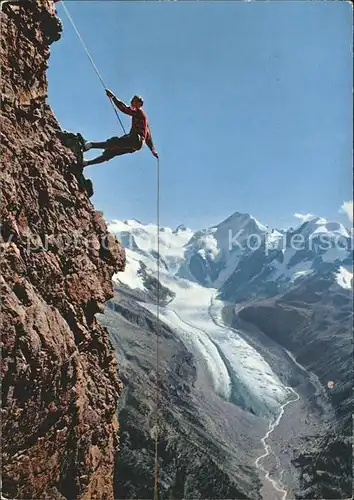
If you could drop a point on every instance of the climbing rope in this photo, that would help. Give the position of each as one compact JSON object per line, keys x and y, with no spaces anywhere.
{"x":91,"y":61}
{"x":156,"y":496}
{"x":156,"y":471}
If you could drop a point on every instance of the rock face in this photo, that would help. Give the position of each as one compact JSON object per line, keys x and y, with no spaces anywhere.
{"x":59,"y":376}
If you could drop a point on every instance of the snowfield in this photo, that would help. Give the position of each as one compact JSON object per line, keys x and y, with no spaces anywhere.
{"x":237,"y":371}
{"x":227,"y":356}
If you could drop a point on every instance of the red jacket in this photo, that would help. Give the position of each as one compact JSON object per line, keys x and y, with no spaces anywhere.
{"x":140,"y":123}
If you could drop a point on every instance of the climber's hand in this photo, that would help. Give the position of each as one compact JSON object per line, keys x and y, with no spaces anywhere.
{"x":155,"y":154}
{"x":109,"y":93}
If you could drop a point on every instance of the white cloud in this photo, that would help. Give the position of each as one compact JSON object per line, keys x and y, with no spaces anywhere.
{"x":347,"y":208}
{"x":304,"y":217}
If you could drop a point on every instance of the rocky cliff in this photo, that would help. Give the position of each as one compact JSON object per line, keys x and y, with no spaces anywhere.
{"x":59,"y":376}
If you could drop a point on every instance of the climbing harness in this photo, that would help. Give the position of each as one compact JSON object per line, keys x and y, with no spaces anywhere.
{"x":156,"y":495}
{"x":91,"y":60}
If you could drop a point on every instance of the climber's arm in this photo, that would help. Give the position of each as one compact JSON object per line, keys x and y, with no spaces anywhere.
{"x":120,"y":104}
{"x":150,"y":144}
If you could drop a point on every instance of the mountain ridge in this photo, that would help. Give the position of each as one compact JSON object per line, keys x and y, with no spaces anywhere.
{"x":246,"y":313}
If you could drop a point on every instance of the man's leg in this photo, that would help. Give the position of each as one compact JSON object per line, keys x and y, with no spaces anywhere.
{"x":107,"y":155}
{"x":95,"y":161}
{"x":95,"y":145}
{"x":128,"y":143}
{"x":101,"y":145}
{"x":117,"y":146}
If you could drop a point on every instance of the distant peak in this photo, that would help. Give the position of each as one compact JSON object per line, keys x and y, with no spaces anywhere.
{"x":132,"y":222}
{"x":180,"y":228}
{"x":242,"y":220}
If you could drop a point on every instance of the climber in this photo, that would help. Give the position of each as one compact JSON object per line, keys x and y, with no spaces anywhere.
{"x":128,"y":143}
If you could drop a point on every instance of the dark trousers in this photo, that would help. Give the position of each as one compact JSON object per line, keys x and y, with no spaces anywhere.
{"x":116,"y":146}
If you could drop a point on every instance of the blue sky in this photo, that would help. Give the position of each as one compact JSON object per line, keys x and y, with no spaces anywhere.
{"x":250,"y":106}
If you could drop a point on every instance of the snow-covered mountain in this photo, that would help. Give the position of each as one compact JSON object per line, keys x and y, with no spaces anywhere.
{"x":315,"y":248}
{"x":195,"y":311}
{"x":218,"y":283}
{"x":213,"y":253}
{"x":240,"y":253}
{"x":234,"y":261}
